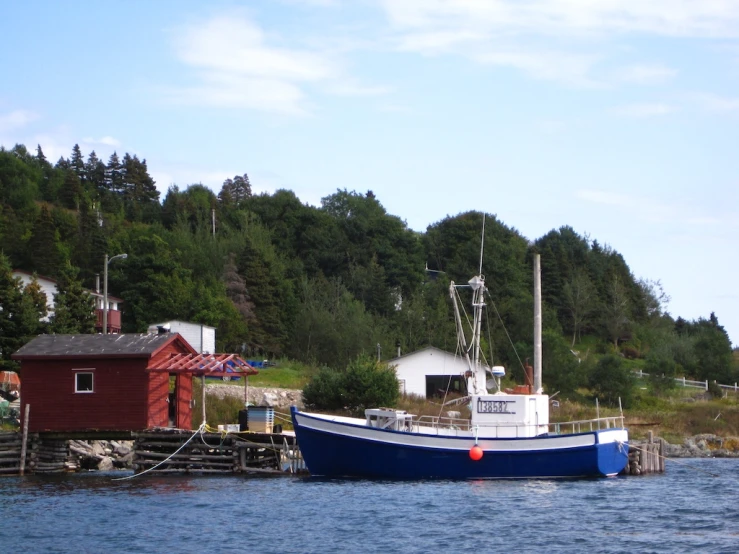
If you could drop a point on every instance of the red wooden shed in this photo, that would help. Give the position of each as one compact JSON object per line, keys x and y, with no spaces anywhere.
{"x":124,"y":382}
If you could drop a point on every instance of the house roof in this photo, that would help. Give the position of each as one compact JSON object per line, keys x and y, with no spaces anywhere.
{"x":96,"y":346}
{"x":425,"y":349}
{"x":178,"y":321}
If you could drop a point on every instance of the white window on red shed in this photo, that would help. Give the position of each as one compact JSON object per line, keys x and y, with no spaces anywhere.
{"x":83,"y":381}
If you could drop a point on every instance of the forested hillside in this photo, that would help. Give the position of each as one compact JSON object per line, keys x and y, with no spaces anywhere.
{"x":318,"y":284}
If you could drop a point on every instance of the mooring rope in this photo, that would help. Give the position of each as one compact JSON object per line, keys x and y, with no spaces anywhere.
{"x":673,"y":460}
{"x":199,"y":430}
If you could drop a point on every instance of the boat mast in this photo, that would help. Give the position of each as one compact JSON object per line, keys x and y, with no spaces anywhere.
{"x":537,"y":324}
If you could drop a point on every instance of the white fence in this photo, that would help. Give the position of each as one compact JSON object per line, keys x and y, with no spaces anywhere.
{"x":682,"y":381}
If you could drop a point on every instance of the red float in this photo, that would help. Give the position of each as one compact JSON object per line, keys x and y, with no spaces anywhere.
{"x":476,"y":453}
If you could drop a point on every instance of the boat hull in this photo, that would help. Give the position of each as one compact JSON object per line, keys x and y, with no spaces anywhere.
{"x":338,"y":449}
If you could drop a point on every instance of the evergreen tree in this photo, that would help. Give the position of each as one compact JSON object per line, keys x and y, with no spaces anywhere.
{"x":74,"y":308}
{"x":45,"y":251}
{"x":70,"y":193}
{"x":235,"y":191}
{"x":114,"y":173}
{"x":40,"y":156}
{"x":19,"y":320}
{"x":139,"y":190}
{"x":77,"y":163}
{"x":37,"y":297}
{"x":90,"y":243}
{"x":63,"y":164}
{"x":95,"y":173}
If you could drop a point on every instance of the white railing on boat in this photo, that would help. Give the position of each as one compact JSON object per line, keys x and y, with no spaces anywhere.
{"x":585,"y":425}
{"x":424,"y":423}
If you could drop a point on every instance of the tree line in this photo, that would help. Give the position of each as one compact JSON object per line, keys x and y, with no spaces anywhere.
{"x":324,"y":284}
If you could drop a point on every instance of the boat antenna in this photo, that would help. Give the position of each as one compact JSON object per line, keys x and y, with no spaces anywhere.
{"x":482,"y":241}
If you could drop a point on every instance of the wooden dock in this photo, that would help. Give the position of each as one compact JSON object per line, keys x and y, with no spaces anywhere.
{"x":172,"y":451}
{"x":165,"y":451}
{"x":646,"y":457}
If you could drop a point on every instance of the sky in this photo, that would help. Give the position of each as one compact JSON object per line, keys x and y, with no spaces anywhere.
{"x":618,"y":118}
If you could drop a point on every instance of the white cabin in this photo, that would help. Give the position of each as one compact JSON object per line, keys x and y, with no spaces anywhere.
{"x":430,"y":372}
{"x":201,"y":337}
{"x":510,"y":415}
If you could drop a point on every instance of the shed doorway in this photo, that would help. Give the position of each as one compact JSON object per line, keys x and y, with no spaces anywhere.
{"x":172,"y":400}
{"x":438,"y":386}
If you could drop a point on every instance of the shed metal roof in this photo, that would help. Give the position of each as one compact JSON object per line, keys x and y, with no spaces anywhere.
{"x":88,"y":346}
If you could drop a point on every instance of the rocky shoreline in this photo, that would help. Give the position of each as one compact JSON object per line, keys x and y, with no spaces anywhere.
{"x":704,"y":446}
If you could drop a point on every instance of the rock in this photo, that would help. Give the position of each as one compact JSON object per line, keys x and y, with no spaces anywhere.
{"x":98,"y":448}
{"x":269,"y":399}
{"x":124,"y":462}
{"x":122,"y":450}
{"x":106,"y":464}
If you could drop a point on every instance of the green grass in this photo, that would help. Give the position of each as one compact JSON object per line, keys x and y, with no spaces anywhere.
{"x":286,"y":374}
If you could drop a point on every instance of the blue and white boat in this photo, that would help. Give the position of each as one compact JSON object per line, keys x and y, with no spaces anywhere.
{"x":506,"y":436}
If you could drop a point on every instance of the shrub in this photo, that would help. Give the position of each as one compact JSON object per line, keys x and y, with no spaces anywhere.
{"x":323,"y":391}
{"x":662,"y":371}
{"x":366,"y":383}
{"x":610,"y":380}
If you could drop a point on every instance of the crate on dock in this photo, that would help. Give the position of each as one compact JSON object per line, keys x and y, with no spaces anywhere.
{"x":261,"y":419}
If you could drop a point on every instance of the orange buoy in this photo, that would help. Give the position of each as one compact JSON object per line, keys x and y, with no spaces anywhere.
{"x":476,"y":453}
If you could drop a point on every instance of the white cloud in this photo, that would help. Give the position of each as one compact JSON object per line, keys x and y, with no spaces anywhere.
{"x":104,"y":141}
{"x":546,"y":38}
{"x":17,"y":119}
{"x":546,"y":65}
{"x":237,"y":65}
{"x":349,"y":88}
{"x":603,"y":197}
{"x":716,"y":103}
{"x":643,"y":208}
{"x":644,"y":110}
{"x":644,"y":74}
{"x":682,"y":18}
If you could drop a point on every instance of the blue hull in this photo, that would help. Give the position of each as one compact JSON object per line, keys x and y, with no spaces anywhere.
{"x":333,"y":454}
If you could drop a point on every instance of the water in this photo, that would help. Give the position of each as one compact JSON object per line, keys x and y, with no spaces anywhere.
{"x":684,"y":510}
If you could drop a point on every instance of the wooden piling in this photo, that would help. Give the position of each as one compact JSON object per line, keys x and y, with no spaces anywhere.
{"x":25,"y":440}
{"x":646,"y":457}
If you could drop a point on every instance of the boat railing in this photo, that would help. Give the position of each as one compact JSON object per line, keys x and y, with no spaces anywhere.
{"x":585,"y":425}
{"x":454,"y":423}
{"x":519,"y":430}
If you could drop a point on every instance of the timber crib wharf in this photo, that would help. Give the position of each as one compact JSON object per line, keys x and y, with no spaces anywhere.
{"x":161,"y":451}
{"x":646,"y":457}
{"x":176,"y":451}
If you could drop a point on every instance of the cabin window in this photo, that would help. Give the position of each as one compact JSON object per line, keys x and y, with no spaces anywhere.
{"x":83,"y":381}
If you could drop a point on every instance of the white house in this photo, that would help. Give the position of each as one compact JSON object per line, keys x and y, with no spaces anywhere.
{"x":430,"y":372}
{"x":48,"y":287}
{"x":201,"y":337}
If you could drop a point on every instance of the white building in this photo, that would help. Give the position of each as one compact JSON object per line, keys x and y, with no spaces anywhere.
{"x":48,"y":287}
{"x":430,"y":372}
{"x":201,"y":337}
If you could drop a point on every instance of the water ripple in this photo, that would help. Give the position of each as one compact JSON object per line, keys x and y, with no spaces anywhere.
{"x":684,"y":510}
